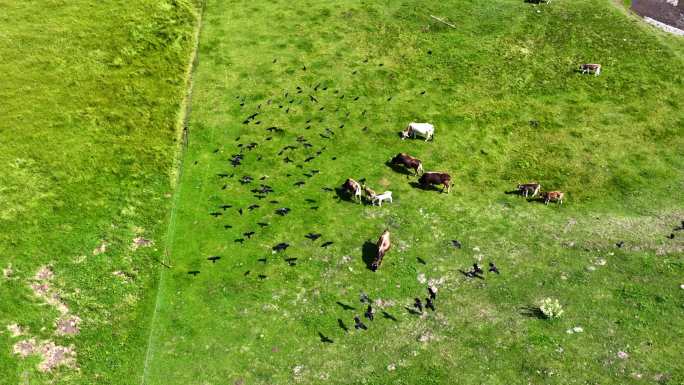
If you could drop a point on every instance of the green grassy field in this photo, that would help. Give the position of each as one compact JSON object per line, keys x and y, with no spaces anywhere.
{"x":91,"y":94}
{"x":508,"y":107}
{"x":90,"y":138}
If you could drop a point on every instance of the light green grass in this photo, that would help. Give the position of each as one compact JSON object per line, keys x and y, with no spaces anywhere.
{"x":612,"y":143}
{"x":90,"y":96}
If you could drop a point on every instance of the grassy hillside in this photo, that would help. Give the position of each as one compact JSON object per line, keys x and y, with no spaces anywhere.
{"x":509,"y":107}
{"x":91,"y":94}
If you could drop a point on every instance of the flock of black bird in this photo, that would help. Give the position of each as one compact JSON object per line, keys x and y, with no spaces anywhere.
{"x":288,"y":102}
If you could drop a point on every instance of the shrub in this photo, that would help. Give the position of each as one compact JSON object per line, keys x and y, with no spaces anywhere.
{"x":551,"y":308}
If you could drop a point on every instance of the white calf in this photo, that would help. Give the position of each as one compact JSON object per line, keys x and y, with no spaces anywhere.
{"x":425,"y":130}
{"x":386,"y":196}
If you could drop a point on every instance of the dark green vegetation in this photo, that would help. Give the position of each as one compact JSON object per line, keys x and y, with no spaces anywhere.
{"x":89,"y":119}
{"x":509,"y":107}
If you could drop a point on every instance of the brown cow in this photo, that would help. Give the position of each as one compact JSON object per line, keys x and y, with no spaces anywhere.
{"x":555,"y":196}
{"x":436,"y":178}
{"x":526,"y":188}
{"x":383,"y":245}
{"x":352,"y":187}
{"x":409,"y":162}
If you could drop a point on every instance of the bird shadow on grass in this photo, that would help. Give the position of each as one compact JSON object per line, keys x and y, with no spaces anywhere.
{"x":368,"y":254}
{"x":342,"y":326}
{"x":345,"y":306}
{"x":325,"y":339}
{"x":412,"y":311}
{"x":389,"y":316}
{"x":532,"y":312}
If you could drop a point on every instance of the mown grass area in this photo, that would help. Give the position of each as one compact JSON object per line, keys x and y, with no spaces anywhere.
{"x":91,"y":94}
{"x":509,"y":107}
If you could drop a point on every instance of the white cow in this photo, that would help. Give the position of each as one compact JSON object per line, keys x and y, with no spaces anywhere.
{"x":379,"y":198}
{"x":425,"y":130}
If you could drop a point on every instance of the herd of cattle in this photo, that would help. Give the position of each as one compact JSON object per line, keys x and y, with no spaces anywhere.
{"x":358,"y":192}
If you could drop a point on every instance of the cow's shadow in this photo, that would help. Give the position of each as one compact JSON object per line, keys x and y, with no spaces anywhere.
{"x":537,"y":199}
{"x":513,"y":192}
{"x":532,"y":312}
{"x":368,"y":254}
{"x":399,"y":168}
{"x":429,"y":187}
{"x":344,"y":195}
{"x":535,"y":1}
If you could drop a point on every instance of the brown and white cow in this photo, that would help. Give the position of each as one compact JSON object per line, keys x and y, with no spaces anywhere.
{"x":591,"y":69}
{"x":553,"y":196}
{"x":409,"y":162}
{"x":368,"y":193}
{"x":526,"y":189}
{"x":383,"y":245}
{"x":436,"y":178}
{"x":353,"y":188}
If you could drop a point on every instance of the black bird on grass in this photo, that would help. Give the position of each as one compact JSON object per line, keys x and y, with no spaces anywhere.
{"x":282,"y":211}
{"x":358,"y":324}
{"x":240,"y":241}
{"x":224,"y":207}
{"x":429,"y":304}
{"x":274,"y":202}
{"x":259,"y":196}
{"x":287,"y":160}
{"x":477,"y":269}
{"x":309,"y":159}
{"x":309,"y":200}
{"x":671,"y":236}
{"x":493,"y":268}
{"x":193,"y":272}
{"x":326,"y":244}
{"x":249,"y":234}
{"x":262,"y":224}
{"x":240,"y":211}
{"x":363,"y":297}
{"x":291,"y":261}
{"x":370,"y":313}
{"x":342,"y":325}
{"x":328,"y":189}
{"x":418,"y":305}
{"x":252,"y":207}
{"x":456,"y":243}
{"x":620,"y":244}
{"x":300,"y":183}
{"x":214,"y":258}
{"x":432,"y":293}
{"x":216,"y":214}
{"x":222,"y":175}
{"x":281,"y":247}
{"x":227,"y":226}
{"x":312,"y":236}
{"x":225,"y":186}
{"x":246,"y":179}
{"x":262,"y":276}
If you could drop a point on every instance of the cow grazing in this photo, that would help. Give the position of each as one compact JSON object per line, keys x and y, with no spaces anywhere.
{"x":529,"y":188}
{"x":383,"y":245}
{"x":409,"y":162}
{"x":426,"y":130}
{"x":369,"y":194}
{"x":353,"y":188}
{"x":379,"y":198}
{"x":436,"y":178}
{"x":553,"y":196}
{"x":591,"y":69}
